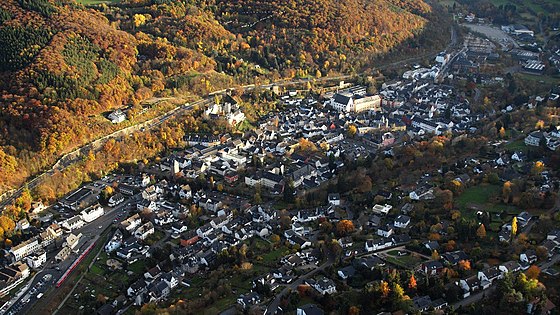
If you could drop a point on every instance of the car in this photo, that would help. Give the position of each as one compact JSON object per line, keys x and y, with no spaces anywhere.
{"x":100,"y":227}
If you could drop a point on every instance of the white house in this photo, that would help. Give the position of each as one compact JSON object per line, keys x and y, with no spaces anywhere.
{"x":382,"y":209}
{"x":402,"y":221}
{"x":117,"y":116}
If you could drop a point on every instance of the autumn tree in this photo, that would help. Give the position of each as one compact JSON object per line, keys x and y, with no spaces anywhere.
{"x":533,"y":272}
{"x":464,"y":265}
{"x":352,"y":131}
{"x":502,"y":133}
{"x":514,"y":226}
{"x":481,"y":231}
{"x":344,"y":227}
{"x":412,"y":282}
{"x":384,"y":289}
{"x":435,"y":254}
{"x":506,"y":190}
{"x":538,"y":167}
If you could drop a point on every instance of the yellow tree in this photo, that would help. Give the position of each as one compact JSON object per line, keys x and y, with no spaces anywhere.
{"x":538,"y":167}
{"x":352,"y":130}
{"x":514,"y":226}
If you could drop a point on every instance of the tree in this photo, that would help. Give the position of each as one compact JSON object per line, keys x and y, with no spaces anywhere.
{"x":538,"y":167}
{"x":352,"y":130}
{"x":502,"y":132}
{"x":344,"y":227}
{"x":412,"y":282}
{"x":275,"y":238}
{"x":465,"y":265}
{"x":384,"y":289}
{"x":435,"y":255}
{"x":506,"y":190}
{"x":481,"y":231}
{"x":533,"y":272}
{"x":514,"y":226}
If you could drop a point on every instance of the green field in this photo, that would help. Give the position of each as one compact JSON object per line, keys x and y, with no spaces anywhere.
{"x":518,"y":145}
{"x":478,"y":195}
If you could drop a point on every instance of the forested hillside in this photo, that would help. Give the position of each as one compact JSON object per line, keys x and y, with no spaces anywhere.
{"x":64,"y":66}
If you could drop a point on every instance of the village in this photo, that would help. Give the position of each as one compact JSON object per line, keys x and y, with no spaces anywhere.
{"x":265,"y":209}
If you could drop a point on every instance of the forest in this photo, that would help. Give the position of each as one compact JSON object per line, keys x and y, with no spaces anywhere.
{"x":64,"y":66}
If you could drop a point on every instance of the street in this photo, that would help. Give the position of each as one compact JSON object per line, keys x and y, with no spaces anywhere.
{"x":90,"y":233}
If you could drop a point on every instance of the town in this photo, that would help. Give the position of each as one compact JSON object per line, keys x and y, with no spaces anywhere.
{"x":398,"y":194}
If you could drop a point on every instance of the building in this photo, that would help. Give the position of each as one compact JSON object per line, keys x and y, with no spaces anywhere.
{"x":72,"y":240}
{"x":37,"y":260}
{"x":131,"y":223}
{"x":249,"y":299}
{"x":345,"y":102}
{"x":144,"y":231}
{"x":309,"y":309}
{"x":91,"y":214}
{"x":80,"y":199}
{"x":25,"y":248}
{"x":63,"y":254}
{"x":117,"y":116}
{"x":73,"y":223}
{"x":12,"y":276}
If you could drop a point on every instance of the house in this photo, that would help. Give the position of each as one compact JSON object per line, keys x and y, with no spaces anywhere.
{"x":385,"y":231}
{"x":249,"y":299}
{"x":422,"y":303}
{"x":469,"y":285}
{"x":369,"y":262}
{"x":455,"y":257}
{"x":374,"y":245}
{"x":309,"y":309}
{"x":490,"y":275}
{"x":402,"y":221}
{"x":117,"y":116}
{"x":510,"y":266}
{"x":91,"y":214}
{"x":346,"y":272}
{"x":73,"y":223}
{"x":137,"y":288}
{"x":382,"y":209}
{"x":131,"y":223}
{"x":334,"y":199}
{"x":115,"y":199}
{"x":144,"y":231}
{"x":534,"y":139}
{"x":345,"y":242}
{"x":323,"y":285}
{"x":528,"y":257}
{"x":432,"y":245}
{"x":432,"y":268}
{"x":423,"y":192}
{"x":523,"y":218}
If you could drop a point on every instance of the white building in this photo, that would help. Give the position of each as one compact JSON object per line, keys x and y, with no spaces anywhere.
{"x":25,"y":248}
{"x":35,"y":261}
{"x":91,"y":214}
{"x":72,"y":240}
{"x":73,"y":223}
{"x":117,"y":116}
{"x":144,"y":231}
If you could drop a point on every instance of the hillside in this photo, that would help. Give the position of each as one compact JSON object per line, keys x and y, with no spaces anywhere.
{"x":64,"y":66}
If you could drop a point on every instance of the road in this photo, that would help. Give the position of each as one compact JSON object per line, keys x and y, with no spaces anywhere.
{"x":90,"y":233}
{"x":273,"y":307}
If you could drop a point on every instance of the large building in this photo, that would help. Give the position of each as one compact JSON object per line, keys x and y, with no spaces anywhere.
{"x":352,"y":103}
{"x":25,"y":248}
{"x":12,"y":276}
{"x":92,"y":213}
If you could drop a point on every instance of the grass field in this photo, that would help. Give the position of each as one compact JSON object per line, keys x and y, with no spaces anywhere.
{"x":477,"y":195}
{"x":518,"y":145}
